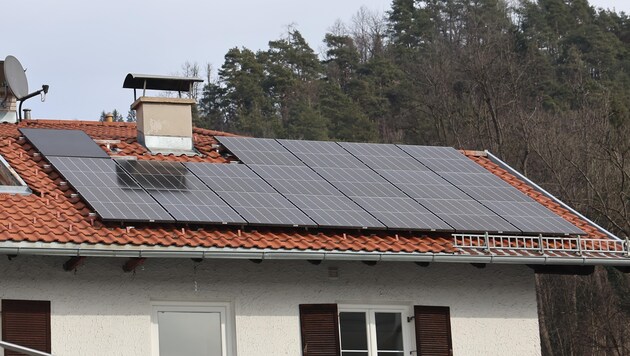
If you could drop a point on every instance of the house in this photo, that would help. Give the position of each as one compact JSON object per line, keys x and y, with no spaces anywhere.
{"x":106,"y":254}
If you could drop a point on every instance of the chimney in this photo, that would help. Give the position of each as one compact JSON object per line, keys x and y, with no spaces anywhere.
{"x":109,"y":117}
{"x":164,"y":123}
{"x":8,"y":106}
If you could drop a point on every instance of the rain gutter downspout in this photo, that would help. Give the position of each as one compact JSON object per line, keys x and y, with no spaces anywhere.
{"x":513,"y":171}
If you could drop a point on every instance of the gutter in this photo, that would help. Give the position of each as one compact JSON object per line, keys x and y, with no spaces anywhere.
{"x":35,"y":249}
{"x":516,"y":173}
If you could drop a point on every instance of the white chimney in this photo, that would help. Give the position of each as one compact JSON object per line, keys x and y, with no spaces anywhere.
{"x":164,"y":124}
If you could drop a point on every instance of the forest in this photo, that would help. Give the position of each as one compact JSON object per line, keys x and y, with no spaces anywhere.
{"x":544,"y":85}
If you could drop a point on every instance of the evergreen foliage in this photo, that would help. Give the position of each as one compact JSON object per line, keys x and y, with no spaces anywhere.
{"x":544,"y":84}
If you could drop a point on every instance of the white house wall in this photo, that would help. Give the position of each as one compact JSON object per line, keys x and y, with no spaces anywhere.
{"x":100,"y":310}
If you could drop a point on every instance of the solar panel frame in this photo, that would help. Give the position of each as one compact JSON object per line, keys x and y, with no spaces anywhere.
{"x":181,"y":193}
{"x":110,"y":191}
{"x":263,"y":151}
{"x":250,"y":195}
{"x":63,"y":143}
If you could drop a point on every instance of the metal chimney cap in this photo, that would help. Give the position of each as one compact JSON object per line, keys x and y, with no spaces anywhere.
{"x":159,"y":82}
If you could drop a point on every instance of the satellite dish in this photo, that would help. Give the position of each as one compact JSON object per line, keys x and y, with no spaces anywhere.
{"x":15,"y":76}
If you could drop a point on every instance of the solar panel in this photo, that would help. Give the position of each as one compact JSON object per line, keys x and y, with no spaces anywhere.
{"x":180,"y":192}
{"x":443,"y":159}
{"x":448,"y":202}
{"x":63,"y":143}
{"x":249,"y":195}
{"x":520,"y":210}
{"x":110,"y":191}
{"x":382,"y":199}
{"x":383,"y":156}
{"x":322,"y":154}
{"x":259,"y":151}
{"x":316,"y":197}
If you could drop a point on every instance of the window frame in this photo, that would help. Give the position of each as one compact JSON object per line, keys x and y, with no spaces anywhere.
{"x":228,"y":327}
{"x":405,"y":311}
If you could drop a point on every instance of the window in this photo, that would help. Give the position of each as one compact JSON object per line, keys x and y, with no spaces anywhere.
{"x":191,"y":329}
{"x":347,"y":330}
{"x":10,"y":181}
{"x":374,"y":331}
{"x":26,"y":323}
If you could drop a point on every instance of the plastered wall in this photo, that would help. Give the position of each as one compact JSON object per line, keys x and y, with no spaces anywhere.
{"x":100,"y":310}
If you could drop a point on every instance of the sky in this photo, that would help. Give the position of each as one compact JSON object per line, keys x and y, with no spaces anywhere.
{"x":84,"y":49}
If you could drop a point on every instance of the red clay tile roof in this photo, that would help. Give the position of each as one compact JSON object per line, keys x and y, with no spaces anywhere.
{"x":52,"y":214}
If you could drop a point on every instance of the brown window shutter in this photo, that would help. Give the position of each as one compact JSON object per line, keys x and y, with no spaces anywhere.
{"x":26,"y":323}
{"x":433,"y":331}
{"x":319,"y":324}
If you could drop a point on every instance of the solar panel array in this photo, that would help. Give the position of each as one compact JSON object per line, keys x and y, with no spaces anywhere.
{"x":301,"y":184}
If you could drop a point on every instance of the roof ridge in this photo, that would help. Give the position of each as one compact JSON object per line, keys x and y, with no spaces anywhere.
{"x":73,"y":122}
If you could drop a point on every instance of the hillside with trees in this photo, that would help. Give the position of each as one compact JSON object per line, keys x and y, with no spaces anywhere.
{"x":543,"y":85}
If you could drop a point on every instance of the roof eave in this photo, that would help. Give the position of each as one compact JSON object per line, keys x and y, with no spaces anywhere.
{"x":76,"y":250}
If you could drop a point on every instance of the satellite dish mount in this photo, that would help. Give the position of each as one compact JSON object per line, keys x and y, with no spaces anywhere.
{"x":16,"y":81}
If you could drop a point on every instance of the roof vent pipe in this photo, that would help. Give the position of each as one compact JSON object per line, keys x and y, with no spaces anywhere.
{"x":27,"y":114}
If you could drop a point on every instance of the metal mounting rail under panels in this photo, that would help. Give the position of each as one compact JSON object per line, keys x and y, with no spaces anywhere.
{"x":542,"y":244}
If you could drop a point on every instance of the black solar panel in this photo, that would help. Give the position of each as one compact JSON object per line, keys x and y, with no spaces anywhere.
{"x":322,"y":154}
{"x":111,"y":192}
{"x":520,"y":210}
{"x":364,"y":186}
{"x":382,"y":199}
{"x":383,"y":156}
{"x":259,"y":151}
{"x":249,"y":195}
{"x":180,"y":192}
{"x":316,"y":197}
{"x":63,"y":143}
{"x":448,"y":202}
{"x":443,"y":159}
